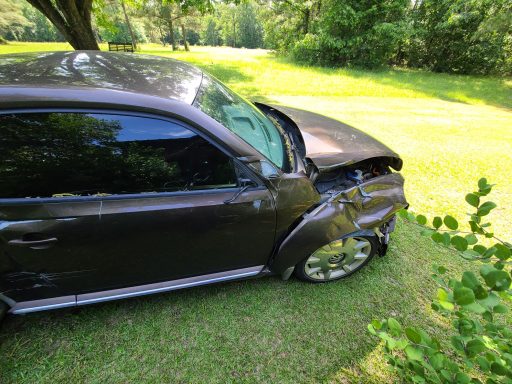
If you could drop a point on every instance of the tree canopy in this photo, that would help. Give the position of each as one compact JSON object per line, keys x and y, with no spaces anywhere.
{"x":456,"y":36}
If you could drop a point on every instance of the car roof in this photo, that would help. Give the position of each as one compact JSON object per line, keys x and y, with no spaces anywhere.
{"x":135,"y":73}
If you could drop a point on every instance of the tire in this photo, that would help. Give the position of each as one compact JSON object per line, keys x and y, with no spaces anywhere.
{"x":338,"y":259}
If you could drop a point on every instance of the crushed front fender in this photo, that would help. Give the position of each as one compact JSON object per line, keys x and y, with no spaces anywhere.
{"x":365,"y":206}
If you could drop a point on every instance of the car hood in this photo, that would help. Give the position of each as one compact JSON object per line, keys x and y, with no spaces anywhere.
{"x":331,"y":144}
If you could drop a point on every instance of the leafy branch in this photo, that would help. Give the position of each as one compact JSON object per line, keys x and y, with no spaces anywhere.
{"x":481,"y":342}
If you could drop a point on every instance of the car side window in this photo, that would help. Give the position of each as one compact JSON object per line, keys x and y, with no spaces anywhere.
{"x":59,"y":154}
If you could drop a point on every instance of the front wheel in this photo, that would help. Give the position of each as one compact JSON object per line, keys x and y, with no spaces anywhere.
{"x":338,"y":259}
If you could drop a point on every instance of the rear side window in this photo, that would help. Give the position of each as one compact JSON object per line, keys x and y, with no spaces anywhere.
{"x":86,"y":154}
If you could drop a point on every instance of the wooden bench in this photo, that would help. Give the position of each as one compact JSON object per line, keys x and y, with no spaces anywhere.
{"x":120,"y":47}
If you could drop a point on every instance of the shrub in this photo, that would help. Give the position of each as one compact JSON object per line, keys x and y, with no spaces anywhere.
{"x":481,"y":342}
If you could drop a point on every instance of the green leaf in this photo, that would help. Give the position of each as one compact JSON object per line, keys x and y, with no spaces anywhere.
{"x":487,"y":316}
{"x":437,"y":237}
{"x":480,"y":249}
{"x":498,"y":369}
{"x":464,"y":296}
{"x":489,"y":252}
{"x":485,"y":208}
{"x":469,"y":254}
{"x":376,"y":324}
{"x":394,"y":326}
{"x":491,"y":300}
{"x":437,"y":222}
{"x":500,"y":308}
{"x":459,"y":243}
{"x":446,"y":239}
{"x":413,"y":353}
{"x":502,"y":252}
{"x":422,"y":220}
{"x":473,"y":200}
{"x":483,"y":363}
{"x":498,"y":280}
{"x":475,"y":308}
{"x":413,"y":335}
{"x":474,"y":347}
{"x":462,"y":378}
{"x":402,"y":213}
{"x":444,"y":299}
{"x":450,"y":222}
{"x":437,"y":360}
{"x":470,"y":280}
{"x":457,"y":343}
{"x":471,"y":239}
{"x":442,"y":295}
{"x":482,"y":183}
{"x":474,"y":227}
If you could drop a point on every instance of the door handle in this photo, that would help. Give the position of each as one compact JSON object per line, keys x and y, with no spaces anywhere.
{"x":34,"y":244}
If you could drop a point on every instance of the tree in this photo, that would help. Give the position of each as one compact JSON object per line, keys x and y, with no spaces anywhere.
{"x":461,"y":36}
{"x":211,"y":33}
{"x":128,"y":24}
{"x":11,"y":18}
{"x":72,"y":18}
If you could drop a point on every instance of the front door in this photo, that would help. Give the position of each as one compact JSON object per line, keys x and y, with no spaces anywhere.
{"x":96,"y":201}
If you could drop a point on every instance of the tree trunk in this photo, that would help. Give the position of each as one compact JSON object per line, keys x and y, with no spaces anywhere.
{"x":72,"y":19}
{"x":184,"y":33}
{"x":129,"y":25}
{"x":171,"y":34}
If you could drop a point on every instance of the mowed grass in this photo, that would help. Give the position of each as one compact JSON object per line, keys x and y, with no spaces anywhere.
{"x":450,"y":130}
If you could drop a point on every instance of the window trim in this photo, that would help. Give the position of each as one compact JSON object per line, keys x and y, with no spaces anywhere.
{"x":130,"y":196}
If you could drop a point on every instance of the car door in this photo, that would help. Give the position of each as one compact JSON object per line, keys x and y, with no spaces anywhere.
{"x":99,"y":201}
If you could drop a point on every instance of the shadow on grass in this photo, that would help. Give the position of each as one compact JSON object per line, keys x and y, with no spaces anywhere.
{"x":492,"y":91}
{"x":261,"y":330}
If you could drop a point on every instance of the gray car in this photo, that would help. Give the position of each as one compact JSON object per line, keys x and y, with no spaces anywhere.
{"x":123,"y":175}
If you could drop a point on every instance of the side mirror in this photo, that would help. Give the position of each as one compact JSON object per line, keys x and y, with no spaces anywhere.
{"x":247,"y":183}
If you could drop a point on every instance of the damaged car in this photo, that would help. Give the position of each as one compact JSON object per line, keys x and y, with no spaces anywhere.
{"x":124,"y":175}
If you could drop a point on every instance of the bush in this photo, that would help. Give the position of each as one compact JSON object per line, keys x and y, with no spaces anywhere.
{"x":481,"y":342}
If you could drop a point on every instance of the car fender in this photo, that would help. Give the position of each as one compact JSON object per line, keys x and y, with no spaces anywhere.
{"x":364,"y":207}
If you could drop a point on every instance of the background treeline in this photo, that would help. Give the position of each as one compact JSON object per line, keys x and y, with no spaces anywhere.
{"x":462,"y":36}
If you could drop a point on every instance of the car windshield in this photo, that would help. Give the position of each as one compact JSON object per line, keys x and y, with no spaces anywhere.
{"x":242,"y":118}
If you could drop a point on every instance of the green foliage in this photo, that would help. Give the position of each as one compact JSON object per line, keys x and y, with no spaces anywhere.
{"x":210,"y":34}
{"x":461,"y":36}
{"x":481,"y":343}
{"x":12,"y":20}
{"x":354,"y":33}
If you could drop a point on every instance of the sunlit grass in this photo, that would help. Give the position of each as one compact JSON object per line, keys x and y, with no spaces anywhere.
{"x":450,"y":130}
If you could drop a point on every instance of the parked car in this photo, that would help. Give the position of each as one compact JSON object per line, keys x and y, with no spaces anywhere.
{"x":123,"y":175}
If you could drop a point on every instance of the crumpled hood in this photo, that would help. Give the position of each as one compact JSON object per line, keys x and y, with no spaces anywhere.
{"x":331,"y":143}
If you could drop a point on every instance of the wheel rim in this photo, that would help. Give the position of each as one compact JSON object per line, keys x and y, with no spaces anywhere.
{"x":338,"y":258}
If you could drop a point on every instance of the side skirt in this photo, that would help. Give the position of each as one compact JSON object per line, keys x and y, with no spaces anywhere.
{"x":140,"y":290}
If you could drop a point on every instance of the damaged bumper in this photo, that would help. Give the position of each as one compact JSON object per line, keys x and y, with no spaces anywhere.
{"x":369,"y":206}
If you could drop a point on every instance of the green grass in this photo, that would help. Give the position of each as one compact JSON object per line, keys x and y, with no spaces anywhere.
{"x":450,"y":130}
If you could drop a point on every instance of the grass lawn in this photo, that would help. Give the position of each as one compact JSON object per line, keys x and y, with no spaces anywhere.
{"x":450,"y":130}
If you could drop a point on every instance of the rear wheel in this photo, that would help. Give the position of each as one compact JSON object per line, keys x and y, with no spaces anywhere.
{"x":338,"y":259}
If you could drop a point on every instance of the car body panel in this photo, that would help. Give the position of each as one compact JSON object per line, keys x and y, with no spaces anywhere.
{"x":113,"y":243}
{"x":140,"y":74}
{"x":329,"y":143}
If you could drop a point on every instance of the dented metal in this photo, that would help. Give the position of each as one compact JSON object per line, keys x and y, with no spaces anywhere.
{"x":53,"y":251}
{"x":363,"y":207}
